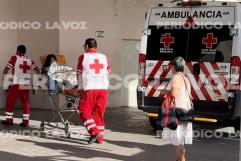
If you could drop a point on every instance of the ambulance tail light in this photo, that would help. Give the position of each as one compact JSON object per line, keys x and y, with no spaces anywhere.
{"x":142,"y":66}
{"x":235,"y":70}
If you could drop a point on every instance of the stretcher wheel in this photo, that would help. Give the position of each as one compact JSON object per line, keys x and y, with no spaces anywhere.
{"x":67,"y":133}
{"x":42,"y":126}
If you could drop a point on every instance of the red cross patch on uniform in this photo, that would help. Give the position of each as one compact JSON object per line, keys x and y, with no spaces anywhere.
{"x":25,"y":67}
{"x":97,"y":66}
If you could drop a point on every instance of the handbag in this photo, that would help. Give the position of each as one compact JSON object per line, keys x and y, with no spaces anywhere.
{"x":183,"y":115}
{"x":167,"y":115}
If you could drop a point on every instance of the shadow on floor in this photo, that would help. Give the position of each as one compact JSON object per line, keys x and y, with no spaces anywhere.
{"x":146,"y":152}
{"x":118,"y":119}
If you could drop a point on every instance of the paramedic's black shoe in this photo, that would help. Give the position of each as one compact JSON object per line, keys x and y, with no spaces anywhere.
{"x":6,"y":123}
{"x":23,"y":125}
{"x":93,"y":139}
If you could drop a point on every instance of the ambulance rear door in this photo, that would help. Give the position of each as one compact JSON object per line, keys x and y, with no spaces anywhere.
{"x":209,"y":57}
{"x":166,"y":40}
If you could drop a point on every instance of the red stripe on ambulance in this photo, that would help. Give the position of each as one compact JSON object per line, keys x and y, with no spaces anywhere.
{"x":208,"y":85}
{"x":212,"y":82}
{"x":202,"y":88}
{"x":156,"y":86}
{"x":154,"y":71}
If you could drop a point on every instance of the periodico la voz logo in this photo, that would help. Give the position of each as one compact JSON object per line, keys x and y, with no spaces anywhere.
{"x":36,"y":25}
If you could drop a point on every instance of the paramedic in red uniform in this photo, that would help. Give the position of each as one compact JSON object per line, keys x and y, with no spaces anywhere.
{"x":20,"y":66}
{"x":93,"y":70}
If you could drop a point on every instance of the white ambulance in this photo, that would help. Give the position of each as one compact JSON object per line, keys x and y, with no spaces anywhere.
{"x":208,"y":36}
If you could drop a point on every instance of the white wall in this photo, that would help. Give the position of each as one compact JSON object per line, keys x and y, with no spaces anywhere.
{"x":8,"y":38}
{"x":99,"y":15}
{"x":41,"y":41}
{"x":122,"y":21}
{"x":130,"y":52}
{"x":132,"y":22}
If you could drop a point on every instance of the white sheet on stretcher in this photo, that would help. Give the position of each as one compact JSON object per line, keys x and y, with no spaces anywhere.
{"x":63,"y":73}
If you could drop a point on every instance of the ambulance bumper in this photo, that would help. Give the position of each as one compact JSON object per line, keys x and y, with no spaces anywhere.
{"x":209,"y":109}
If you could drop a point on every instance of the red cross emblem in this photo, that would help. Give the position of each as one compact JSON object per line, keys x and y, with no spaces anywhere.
{"x":167,"y":40}
{"x":97,"y":66}
{"x":209,"y":41}
{"x":24,"y":66}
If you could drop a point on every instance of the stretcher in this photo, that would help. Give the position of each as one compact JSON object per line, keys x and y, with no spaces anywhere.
{"x":66,"y":80}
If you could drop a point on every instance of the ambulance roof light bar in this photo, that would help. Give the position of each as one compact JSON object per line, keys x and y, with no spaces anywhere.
{"x":206,"y":0}
{"x":223,"y":0}
{"x":202,"y":2}
{"x":191,"y":3}
{"x":188,"y":3}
